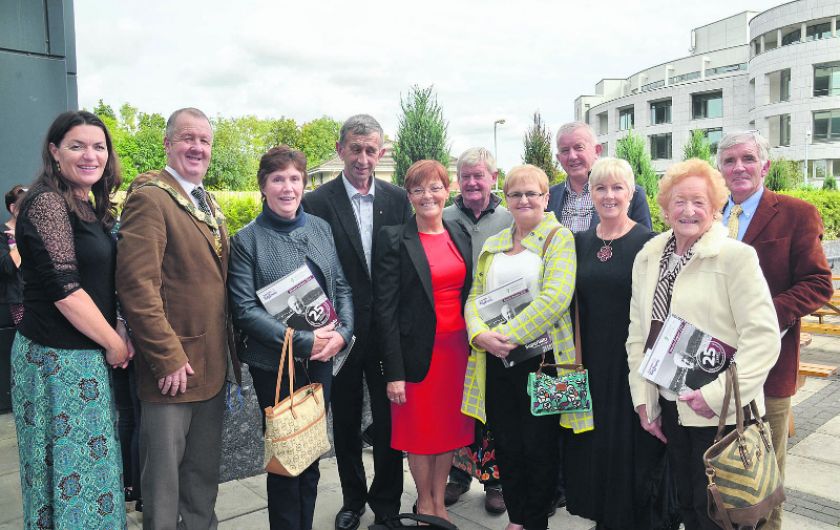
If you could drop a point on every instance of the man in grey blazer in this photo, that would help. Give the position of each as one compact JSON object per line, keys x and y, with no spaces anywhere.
{"x":577,"y":150}
{"x":357,"y":205}
{"x":482,"y":214}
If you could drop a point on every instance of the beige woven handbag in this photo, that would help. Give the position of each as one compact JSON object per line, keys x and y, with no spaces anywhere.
{"x":296,"y":428}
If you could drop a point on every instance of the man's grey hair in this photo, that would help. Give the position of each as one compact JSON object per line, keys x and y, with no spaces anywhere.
{"x":473,"y":157}
{"x":569,"y":128}
{"x":192,"y":111}
{"x":362,"y":125}
{"x":744,"y":137}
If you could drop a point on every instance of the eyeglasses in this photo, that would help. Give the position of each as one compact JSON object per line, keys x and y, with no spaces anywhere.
{"x":517,"y":195}
{"x":419,"y":192}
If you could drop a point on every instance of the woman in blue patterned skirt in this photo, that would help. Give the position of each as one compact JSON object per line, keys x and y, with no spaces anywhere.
{"x":70,"y":461}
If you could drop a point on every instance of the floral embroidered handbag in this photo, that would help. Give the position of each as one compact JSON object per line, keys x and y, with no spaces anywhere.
{"x":567,"y":392}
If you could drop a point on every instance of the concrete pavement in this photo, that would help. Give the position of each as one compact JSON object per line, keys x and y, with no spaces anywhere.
{"x":812,"y":482}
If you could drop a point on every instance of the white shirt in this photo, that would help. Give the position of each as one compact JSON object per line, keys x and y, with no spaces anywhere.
{"x":506,"y":268}
{"x":186,"y":184}
{"x":363,"y":212}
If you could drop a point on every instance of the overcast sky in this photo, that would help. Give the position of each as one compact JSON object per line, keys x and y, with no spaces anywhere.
{"x":488,"y":59}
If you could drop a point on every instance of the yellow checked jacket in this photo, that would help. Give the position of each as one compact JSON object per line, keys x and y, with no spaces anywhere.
{"x":548,"y":311}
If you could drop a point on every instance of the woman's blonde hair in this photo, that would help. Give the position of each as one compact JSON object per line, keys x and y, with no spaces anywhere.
{"x":526,"y":173}
{"x":694,"y":167}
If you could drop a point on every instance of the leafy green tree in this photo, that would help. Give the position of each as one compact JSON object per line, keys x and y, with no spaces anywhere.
{"x":421,"y":133}
{"x":829,"y":182}
{"x":632,"y":149}
{"x":282,"y":131}
{"x":538,"y":148}
{"x":317,"y":140}
{"x":783,"y":175}
{"x":103,"y":110}
{"x":698,"y":146}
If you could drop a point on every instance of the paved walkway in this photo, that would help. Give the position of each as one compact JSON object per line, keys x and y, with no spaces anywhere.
{"x":812,"y":482}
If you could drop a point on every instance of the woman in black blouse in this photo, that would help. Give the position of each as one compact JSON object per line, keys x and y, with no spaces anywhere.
{"x":69,"y":456}
{"x":11,"y":284}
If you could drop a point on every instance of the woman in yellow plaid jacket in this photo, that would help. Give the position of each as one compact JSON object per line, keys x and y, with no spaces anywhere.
{"x":526,"y":445}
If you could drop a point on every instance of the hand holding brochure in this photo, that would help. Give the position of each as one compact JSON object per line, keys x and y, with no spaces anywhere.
{"x":501,"y":305}
{"x":298,"y":300}
{"x":684,"y":357}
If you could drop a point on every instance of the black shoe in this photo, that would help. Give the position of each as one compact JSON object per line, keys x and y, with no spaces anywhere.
{"x":138,"y":506}
{"x":348,"y":519}
{"x":453,"y":492}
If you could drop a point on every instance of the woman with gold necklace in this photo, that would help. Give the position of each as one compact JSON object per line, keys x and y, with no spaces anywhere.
{"x":604,"y":467}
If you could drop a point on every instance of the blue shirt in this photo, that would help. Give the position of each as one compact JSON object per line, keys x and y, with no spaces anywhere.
{"x":749,"y":207}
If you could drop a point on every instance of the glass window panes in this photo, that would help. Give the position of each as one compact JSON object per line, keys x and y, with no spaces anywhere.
{"x":707,"y":105}
{"x":660,"y":112}
{"x":713,"y":136}
{"x":827,"y":125}
{"x":792,"y":36}
{"x":625,"y":118}
{"x":818,"y":31}
{"x":660,"y":146}
{"x":827,"y":79}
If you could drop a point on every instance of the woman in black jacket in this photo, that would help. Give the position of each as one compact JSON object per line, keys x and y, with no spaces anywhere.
{"x":422,"y":272}
{"x":280,"y":240}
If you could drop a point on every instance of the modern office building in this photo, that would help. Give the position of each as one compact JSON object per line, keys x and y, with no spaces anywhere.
{"x":777,"y":72}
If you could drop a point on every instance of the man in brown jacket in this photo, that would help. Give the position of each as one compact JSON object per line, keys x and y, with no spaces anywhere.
{"x":171,"y":270}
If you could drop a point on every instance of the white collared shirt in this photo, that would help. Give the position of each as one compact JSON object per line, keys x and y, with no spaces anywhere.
{"x":186,"y":184}
{"x":363,"y":212}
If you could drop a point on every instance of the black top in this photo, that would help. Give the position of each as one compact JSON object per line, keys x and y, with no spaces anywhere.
{"x":60,"y":254}
{"x":608,"y":468}
{"x":11,"y":284}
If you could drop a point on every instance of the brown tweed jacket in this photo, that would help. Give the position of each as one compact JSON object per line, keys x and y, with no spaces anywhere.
{"x":171,"y":273}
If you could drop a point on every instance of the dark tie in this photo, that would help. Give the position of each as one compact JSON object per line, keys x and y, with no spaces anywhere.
{"x":201,"y":196}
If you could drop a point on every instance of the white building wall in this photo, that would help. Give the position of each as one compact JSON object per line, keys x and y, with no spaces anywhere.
{"x":747,"y":95}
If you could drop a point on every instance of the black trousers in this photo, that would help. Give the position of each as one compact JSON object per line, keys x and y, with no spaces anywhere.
{"x":526,"y":445}
{"x":347,"y":401}
{"x":128,"y":425}
{"x":685,"y":448}
{"x":291,"y":500}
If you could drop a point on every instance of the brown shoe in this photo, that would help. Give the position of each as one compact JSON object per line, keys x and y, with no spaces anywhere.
{"x":453,"y":492}
{"x":494,"y":502}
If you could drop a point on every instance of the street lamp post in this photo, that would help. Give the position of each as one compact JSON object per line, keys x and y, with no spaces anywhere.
{"x":496,"y":123}
{"x":807,"y":141}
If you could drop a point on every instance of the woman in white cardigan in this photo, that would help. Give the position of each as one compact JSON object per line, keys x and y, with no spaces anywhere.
{"x":697,"y":272}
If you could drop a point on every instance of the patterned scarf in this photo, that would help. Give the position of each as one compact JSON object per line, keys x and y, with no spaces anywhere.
{"x":665,"y":285}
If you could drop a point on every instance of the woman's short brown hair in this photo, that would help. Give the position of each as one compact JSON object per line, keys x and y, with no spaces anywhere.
{"x":279,"y":158}
{"x":424,"y":171}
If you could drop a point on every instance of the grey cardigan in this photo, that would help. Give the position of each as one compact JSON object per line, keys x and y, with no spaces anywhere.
{"x":260,"y":254}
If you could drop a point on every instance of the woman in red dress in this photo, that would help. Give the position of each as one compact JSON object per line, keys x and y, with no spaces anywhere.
{"x":421,"y":276}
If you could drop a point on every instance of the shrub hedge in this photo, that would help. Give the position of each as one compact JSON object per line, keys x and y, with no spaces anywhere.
{"x":240,"y":207}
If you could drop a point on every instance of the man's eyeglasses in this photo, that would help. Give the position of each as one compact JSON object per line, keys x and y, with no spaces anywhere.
{"x":517,"y":195}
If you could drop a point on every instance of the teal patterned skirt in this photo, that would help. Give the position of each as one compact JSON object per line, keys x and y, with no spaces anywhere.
{"x":70,"y":463}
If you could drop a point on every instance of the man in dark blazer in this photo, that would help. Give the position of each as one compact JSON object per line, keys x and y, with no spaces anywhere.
{"x":577,"y":151}
{"x":786,"y":234}
{"x":357,"y":205}
{"x":171,"y":269}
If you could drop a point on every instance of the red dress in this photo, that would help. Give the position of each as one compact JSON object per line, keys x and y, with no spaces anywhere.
{"x":430,"y":421}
